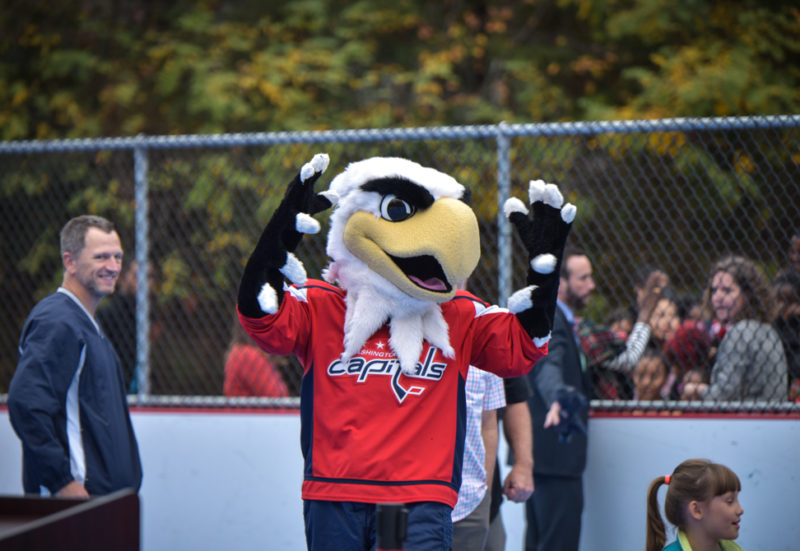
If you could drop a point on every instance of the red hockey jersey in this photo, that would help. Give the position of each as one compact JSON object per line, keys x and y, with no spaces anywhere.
{"x":369,"y":432}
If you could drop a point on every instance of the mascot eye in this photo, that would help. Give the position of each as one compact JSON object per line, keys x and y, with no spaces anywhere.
{"x":394,"y":209}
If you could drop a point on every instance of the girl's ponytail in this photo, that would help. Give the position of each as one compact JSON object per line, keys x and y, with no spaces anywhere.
{"x":656,"y":531}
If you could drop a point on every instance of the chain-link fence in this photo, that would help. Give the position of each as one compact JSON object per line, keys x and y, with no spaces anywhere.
{"x":678,"y":194}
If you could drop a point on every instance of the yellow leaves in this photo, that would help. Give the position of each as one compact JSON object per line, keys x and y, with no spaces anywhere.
{"x":440,"y":63}
{"x":33,"y":36}
{"x":175,"y":274}
{"x":744,"y":165}
{"x":21,"y":94}
{"x":666,"y":143}
{"x":321,"y":63}
{"x":271,"y":92}
{"x":42,"y":130}
{"x":221,"y":241}
{"x":472,"y":20}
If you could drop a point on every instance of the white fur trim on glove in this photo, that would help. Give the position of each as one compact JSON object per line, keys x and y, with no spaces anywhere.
{"x":514,"y":205}
{"x":544,"y":263}
{"x":521,"y":300}
{"x":268,"y":299}
{"x":305,"y":223}
{"x":294,"y":270}
{"x":541,"y":341}
{"x":318,"y":163}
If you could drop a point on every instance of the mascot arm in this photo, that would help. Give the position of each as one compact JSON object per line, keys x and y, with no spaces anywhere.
{"x":261,"y":287}
{"x":543,"y":230}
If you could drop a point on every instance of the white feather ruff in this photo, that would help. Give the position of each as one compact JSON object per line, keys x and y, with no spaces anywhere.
{"x":406,"y":341}
{"x":371,"y":299}
{"x":436,"y":331}
{"x":365,"y":314}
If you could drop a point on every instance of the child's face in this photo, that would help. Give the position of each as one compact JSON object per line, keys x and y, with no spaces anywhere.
{"x":665,"y":320}
{"x":693,"y":376}
{"x":722,"y":515}
{"x":648,"y":377}
{"x":622,"y":326}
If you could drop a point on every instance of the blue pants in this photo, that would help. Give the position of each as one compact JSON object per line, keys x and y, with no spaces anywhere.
{"x":350,"y":526}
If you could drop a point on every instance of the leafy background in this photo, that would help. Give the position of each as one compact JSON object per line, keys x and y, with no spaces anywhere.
{"x":91,"y":68}
{"x":83,"y":68}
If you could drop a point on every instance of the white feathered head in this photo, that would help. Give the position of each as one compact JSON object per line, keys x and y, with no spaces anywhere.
{"x":401,"y":240}
{"x":407,"y":223}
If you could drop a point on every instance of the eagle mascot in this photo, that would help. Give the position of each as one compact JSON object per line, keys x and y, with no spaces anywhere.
{"x":386,"y":339}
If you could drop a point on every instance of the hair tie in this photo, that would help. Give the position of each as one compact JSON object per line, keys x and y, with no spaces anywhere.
{"x":667,"y":478}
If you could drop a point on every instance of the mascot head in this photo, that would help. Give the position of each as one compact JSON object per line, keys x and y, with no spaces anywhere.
{"x":401,"y":240}
{"x":406,"y":223}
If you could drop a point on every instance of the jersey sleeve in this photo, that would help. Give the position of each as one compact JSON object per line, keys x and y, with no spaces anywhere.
{"x":499,"y":343}
{"x":50,"y":355}
{"x":286,"y":331}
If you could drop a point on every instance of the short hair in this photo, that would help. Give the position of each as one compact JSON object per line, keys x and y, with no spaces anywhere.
{"x":73,"y":234}
{"x":569,"y":252}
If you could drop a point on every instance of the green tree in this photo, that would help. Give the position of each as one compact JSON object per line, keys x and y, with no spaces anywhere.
{"x":99,"y":68}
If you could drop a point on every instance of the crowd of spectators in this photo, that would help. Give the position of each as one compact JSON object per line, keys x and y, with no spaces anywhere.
{"x":739,"y":341}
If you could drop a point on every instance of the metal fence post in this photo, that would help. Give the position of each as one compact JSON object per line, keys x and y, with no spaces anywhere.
{"x":142,"y":371}
{"x":503,"y":225}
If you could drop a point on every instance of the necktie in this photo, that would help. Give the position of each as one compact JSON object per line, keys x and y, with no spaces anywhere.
{"x":578,"y":342}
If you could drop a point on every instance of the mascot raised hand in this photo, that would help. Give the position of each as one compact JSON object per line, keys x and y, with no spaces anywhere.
{"x":387,"y":339}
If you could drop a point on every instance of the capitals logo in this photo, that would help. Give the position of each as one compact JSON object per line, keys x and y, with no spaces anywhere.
{"x":387,"y":365}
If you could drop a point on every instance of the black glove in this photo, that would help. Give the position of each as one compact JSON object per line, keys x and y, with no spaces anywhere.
{"x":543,"y":230}
{"x":261,"y":287}
{"x":572,"y":402}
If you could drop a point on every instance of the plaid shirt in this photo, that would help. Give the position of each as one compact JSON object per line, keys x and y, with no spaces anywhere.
{"x":484,"y":392}
{"x":599,"y":343}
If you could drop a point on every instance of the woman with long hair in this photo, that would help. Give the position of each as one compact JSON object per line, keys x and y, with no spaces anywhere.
{"x":750,"y":363}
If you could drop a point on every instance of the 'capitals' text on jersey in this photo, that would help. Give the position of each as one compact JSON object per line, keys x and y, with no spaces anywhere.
{"x":389,"y":366}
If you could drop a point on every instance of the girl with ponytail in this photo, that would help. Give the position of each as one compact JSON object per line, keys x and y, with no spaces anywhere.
{"x":702,"y":501}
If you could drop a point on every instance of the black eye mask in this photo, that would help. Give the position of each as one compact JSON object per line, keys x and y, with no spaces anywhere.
{"x":413,"y":194}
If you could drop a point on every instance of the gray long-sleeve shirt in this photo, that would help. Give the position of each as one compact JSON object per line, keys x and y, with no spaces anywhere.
{"x":750,"y":365}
